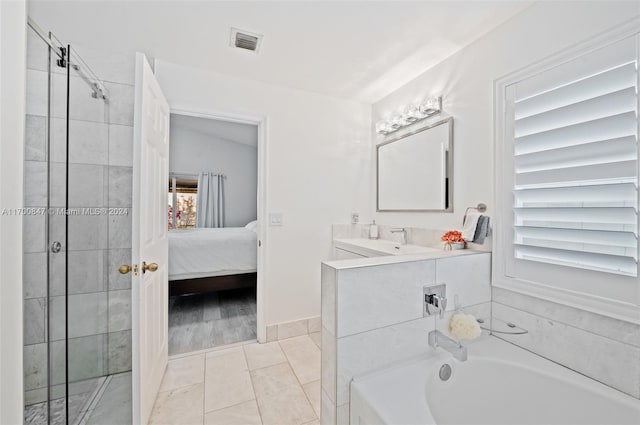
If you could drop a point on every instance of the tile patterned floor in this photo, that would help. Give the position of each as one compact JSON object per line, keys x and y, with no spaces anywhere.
{"x":270,"y":384}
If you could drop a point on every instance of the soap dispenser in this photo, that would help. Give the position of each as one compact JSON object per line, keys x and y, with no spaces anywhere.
{"x":373,"y":230}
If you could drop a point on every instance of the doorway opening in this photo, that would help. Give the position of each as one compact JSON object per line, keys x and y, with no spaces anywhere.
{"x":213,"y":221}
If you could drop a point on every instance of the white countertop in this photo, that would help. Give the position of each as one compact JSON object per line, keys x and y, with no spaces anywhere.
{"x":383,"y":246}
{"x":391,"y":252}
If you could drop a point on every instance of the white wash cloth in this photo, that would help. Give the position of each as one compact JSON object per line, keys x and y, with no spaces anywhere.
{"x":469,"y":226}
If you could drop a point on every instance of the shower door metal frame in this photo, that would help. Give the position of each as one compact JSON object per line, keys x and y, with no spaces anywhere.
{"x":54,"y":48}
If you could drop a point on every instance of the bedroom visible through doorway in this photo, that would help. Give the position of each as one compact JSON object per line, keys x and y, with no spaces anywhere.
{"x":212,"y":213}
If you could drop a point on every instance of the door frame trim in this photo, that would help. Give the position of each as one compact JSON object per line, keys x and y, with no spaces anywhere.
{"x":261,"y":122}
{"x":13,"y":72}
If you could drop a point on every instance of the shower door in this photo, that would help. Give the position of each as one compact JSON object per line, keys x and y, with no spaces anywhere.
{"x":44,"y":245}
{"x":77,"y":307}
{"x":98,"y":303}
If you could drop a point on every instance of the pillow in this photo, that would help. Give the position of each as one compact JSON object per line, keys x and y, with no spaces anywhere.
{"x":252,"y":226}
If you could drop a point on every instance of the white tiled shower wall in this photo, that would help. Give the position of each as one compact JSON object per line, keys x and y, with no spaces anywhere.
{"x":100,"y":175}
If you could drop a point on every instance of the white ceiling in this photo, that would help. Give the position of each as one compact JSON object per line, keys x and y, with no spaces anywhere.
{"x":360,"y":50}
{"x":225,"y":130}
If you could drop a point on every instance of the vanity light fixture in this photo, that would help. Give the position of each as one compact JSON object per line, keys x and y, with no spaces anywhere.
{"x":398,"y":121}
{"x":414,"y":113}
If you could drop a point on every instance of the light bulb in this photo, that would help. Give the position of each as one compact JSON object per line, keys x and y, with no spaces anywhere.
{"x":413,"y":114}
{"x":398,"y":121}
{"x":430,"y":106}
{"x":383,"y":127}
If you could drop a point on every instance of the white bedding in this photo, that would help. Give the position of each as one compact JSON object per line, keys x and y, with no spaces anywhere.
{"x":207,"y":252}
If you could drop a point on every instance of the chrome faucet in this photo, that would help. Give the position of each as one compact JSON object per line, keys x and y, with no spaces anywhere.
{"x":438,"y":339}
{"x":434,"y":300}
{"x":404,"y":234}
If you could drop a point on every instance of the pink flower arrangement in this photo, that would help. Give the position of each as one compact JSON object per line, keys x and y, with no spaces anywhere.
{"x":453,"y":236}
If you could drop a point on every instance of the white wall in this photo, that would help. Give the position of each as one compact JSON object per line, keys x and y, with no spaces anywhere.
{"x":318,"y":159}
{"x":192,"y":152}
{"x":465,"y":80}
{"x":12,"y":106}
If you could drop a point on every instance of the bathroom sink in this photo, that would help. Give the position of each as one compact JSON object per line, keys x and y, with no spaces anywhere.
{"x":412,"y":249}
{"x":380,"y":247}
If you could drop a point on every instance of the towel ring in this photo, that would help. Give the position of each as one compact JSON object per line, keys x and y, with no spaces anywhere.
{"x":480,"y":208}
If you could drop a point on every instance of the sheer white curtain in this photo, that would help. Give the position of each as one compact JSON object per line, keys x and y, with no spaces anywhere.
{"x":210,"y":205}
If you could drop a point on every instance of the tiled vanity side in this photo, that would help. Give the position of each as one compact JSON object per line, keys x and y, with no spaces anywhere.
{"x":372,"y":316}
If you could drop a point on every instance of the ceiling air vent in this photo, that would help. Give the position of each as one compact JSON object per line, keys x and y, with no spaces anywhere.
{"x":245,"y":40}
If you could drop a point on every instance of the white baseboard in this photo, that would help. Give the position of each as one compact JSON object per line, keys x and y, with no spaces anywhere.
{"x":292,"y":329}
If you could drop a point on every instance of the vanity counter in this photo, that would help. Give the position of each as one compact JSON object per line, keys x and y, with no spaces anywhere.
{"x":381,"y":251}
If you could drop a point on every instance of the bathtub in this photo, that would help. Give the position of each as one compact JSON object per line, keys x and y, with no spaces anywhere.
{"x":499,"y":384}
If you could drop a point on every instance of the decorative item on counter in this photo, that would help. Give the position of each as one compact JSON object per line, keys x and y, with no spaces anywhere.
{"x":464,"y":326}
{"x":373,"y":230}
{"x":453,"y":240}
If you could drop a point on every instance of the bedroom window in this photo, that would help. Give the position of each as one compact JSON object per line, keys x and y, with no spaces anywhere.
{"x":183,"y":193}
{"x":567,"y":176}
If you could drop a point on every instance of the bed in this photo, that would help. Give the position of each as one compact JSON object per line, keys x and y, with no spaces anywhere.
{"x":212,"y":259}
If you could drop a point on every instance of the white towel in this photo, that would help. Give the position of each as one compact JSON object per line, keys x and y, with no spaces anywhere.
{"x":469,"y":226}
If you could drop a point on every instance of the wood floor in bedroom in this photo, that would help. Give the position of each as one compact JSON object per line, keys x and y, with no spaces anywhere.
{"x":202,"y":321}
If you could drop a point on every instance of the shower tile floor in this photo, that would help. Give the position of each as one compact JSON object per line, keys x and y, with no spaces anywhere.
{"x":108,"y":403}
{"x":113,"y":405}
{"x":203,"y":321}
{"x":264,"y":384}
{"x":36,"y":414}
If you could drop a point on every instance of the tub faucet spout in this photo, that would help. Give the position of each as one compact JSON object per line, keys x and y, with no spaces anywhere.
{"x":438,"y":339}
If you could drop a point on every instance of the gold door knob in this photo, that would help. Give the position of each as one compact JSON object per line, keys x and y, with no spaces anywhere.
{"x":152,"y":267}
{"x":125,"y":268}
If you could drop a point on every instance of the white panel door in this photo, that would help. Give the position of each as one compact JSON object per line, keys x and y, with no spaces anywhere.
{"x":150,"y":243}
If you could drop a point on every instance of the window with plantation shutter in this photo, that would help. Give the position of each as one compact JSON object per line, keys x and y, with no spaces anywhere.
{"x":570,"y":164}
{"x":576,"y":170}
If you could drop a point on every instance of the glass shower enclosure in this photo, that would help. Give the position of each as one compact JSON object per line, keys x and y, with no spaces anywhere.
{"x":77,"y":339}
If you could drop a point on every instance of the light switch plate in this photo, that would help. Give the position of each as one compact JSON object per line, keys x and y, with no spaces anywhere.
{"x":275,"y":219}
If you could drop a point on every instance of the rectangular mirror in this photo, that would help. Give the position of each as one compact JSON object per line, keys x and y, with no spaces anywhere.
{"x":415,"y":170}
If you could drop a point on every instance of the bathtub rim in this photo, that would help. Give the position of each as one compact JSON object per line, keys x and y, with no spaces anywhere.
{"x":491,"y":347}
